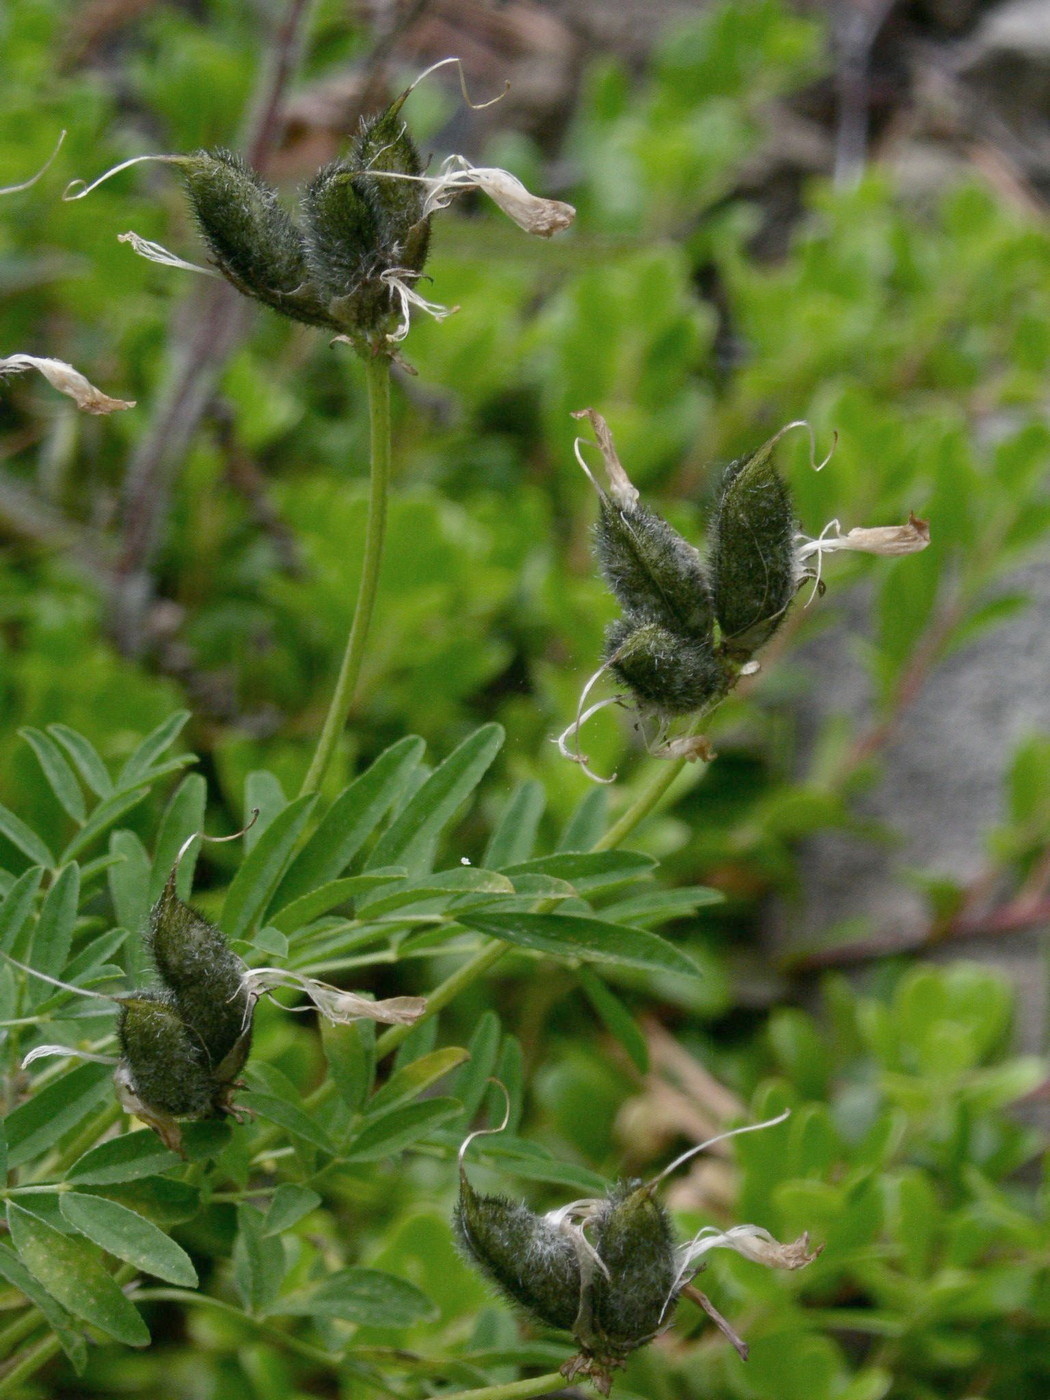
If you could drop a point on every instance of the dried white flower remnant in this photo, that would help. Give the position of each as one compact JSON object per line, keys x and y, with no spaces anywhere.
{"x":891,"y":540}
{"x":622,"y":489}
{"x":335,"y":1005}
{"x":66,"y":380}
{"x":754,"y":1243}
{"x":543,"y":217}
{"x":155,"y":252}
{"x":531,"y":212}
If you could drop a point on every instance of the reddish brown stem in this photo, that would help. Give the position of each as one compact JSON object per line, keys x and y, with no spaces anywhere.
{"x":925,"y":657}
{"x":703,"y":1301}
{"x":1013,"y":917}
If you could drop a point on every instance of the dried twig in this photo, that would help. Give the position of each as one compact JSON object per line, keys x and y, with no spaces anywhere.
{"x":248,"y":481}
{"x":217,"y":319}
{"x":857,"y":25}
{"x":25,"y":515}
{"x":703,"y":1301}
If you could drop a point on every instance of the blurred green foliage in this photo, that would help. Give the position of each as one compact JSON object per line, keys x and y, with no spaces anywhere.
{"x":919,"y":335}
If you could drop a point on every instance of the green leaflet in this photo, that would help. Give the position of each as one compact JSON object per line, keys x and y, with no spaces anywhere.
{"x":590,"y":939}
{"x":129,"y":1236}
{"x":73,"y":1273}
{"x":410,"y":837}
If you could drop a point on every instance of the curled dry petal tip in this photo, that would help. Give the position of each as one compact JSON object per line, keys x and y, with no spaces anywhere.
{"x":621,"y":488}
{"x":543,"y":217}
{"x":28,"y":184}
{"x":67,"y":381}
{"x":890,"y":540}
{"x":754,"y":1243}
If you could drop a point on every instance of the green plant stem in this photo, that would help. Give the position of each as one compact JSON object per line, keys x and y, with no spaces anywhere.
{"x":274,"y":1334}
{"x":88,"y":1137}
{"x":39,"y":1356}
{"x":513,"y":1390}
{"x":18,"y":1330}
{"x":377,"y":376}
{"x":491,"y":952}
{"x":640,"y":808}
{"x":446,"y":991}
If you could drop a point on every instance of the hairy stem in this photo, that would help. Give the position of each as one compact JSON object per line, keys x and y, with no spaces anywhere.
{"x":512,"y":1390}
{"x":377,"y":373}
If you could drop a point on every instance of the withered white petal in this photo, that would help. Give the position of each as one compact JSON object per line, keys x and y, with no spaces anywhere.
{"x":154,"y":252}
{"x":621,"y":488}
{"x":43,"y":1052}
{"x":890,"y":540}
{"x":394,"y":278}
{"x":67,"y":381}
{"x":543,"y":217}
{"x":531,"y":212}
{"x":335,"y":1005}
{"x":753,"y":1242}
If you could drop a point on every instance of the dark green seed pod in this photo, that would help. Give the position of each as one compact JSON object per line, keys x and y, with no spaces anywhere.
{"x":670,"y":674}
{"x":532,"y":1263}
{"x":655,"y":575}
{"x":206,"y":979}
{"x":752,"y":553}
{"x":166,"y":1068}
{"x":342,"y":238}
{"x":360,"y":222}
{"x":253,"y":239}
{"x":384,"y":144}
{"x":633,"y":1237}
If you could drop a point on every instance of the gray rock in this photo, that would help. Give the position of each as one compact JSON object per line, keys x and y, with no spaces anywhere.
{"x":939,"y":793}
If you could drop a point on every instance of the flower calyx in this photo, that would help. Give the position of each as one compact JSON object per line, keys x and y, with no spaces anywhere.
{"x":350,"y":260}
{"x":607,"y":1269}
{"x":691,"y":626}
{"x":184,"y":1044}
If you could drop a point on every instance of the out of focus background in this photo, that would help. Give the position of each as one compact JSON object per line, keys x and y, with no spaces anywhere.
{"x":837,"y":212}
{"x":831,"y":212}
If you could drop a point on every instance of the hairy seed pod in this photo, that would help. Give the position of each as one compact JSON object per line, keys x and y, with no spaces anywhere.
{"x":384,"y":145}
{"x":669,"y":674}
{"x":655,"y":575}
{"x":206,"y":979}
{"x":361,"y":222}
{"x":532,"y":1263}
{"x":752,"y":555}
{"x":342,"y":239}
{"x":164,"y":1066}
{"x":253,"y":239}
{"x":632,"y":1236}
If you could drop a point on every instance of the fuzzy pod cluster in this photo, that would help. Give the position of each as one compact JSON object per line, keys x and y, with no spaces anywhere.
{"x":184,"y":1043}
{"x":689,"y":624}
{"x":356,"y":223}
{"x":611,"y":1283}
